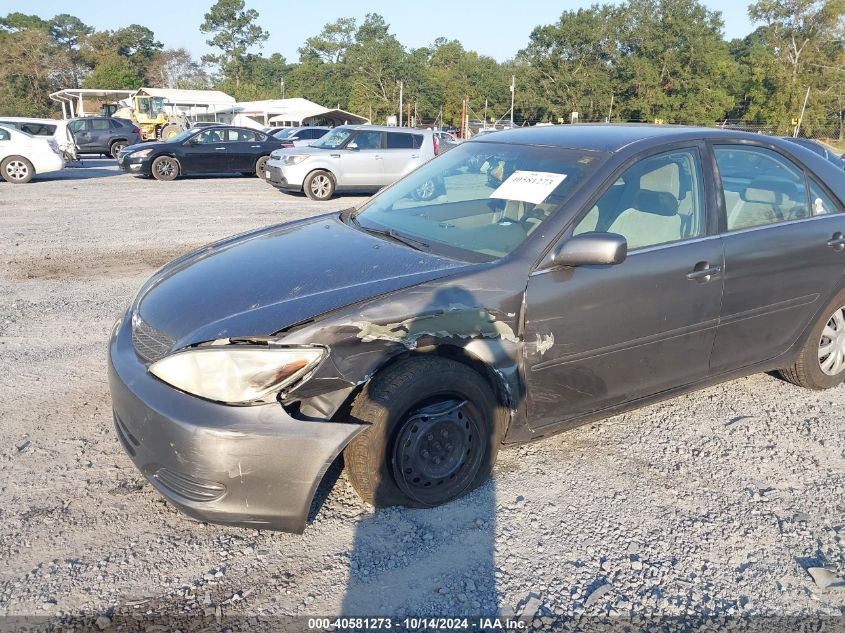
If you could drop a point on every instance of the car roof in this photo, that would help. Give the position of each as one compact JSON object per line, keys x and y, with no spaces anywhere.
{"x":385,"y":128}
{"x":608,"y":137}
{"x":29,"y":119}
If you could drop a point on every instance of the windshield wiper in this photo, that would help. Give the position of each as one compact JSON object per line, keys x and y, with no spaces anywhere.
{"x":402,"y":239}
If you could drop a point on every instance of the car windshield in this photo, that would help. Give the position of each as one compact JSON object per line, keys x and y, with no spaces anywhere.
{"x":479,"y":201}
{"x":333,"y":139}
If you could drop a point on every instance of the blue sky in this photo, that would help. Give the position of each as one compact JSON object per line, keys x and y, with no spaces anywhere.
{"x":498,"y":28}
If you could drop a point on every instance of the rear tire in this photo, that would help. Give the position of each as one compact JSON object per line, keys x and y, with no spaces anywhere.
{"x":821,"y":362}
{"x":17,"y":170}
{"x":434,"y":432}
{"x":319,"y":185}
{"x":115,"y":148}
{"x":261,"y":167}
{"x":165,"y":168}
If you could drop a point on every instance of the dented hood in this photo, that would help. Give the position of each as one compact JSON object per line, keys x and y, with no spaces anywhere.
{"x":262,"y":282}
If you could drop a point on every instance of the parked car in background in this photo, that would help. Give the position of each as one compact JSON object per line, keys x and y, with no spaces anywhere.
{"x":351,"y":158}
{"x":272,"y":131}
{"x":209,"y":150}
{"x":818,"y":148}
{"x":23,"y":156}
{"x":566,"y":274}
{"x":300,"y":136}
{"x":103,"y":135}
{"x":201,"y":124}
{"x":56,"y":129}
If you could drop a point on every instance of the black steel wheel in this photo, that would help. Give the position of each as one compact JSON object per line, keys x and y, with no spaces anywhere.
{"x":434,"y":430}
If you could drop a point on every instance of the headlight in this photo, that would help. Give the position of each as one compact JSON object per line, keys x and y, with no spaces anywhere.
{"x":295,"y":159}
{"x":142,"y":153}
{"x":236,"y":374}
{"x":276,"y":153}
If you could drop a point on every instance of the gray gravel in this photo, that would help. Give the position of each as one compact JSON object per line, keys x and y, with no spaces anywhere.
{"x":713,"y":505}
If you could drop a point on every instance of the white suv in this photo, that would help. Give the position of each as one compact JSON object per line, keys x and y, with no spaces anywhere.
{"x":351,"y":158}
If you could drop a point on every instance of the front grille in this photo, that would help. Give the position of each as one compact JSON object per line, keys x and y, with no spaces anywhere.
{"x":189,"y":488}
{"x":150,"y":343}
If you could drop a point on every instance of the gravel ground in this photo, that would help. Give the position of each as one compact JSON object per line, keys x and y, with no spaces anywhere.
{"x":707,"y":506}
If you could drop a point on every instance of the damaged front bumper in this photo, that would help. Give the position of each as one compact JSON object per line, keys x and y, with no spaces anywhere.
{"x":253,"y":466}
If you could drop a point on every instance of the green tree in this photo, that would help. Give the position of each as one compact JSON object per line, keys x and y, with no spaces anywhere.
{"x":331,"y":44}
{"x":234,"y":31}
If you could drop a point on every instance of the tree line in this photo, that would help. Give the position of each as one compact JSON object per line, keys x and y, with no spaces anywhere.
{"x":639,"y":60}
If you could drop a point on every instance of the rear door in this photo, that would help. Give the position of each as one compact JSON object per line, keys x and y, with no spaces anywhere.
{"x":244,"y":148}
{"x":362,"y":160}
{"x":402,"y":155}
{"x":101,"y":134}
{"x":782,"y":258}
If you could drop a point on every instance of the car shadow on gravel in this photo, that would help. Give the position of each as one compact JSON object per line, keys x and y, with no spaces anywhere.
{"x":435,"y":562}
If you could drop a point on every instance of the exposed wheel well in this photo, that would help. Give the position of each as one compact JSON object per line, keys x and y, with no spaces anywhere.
{"x":452,"y":352}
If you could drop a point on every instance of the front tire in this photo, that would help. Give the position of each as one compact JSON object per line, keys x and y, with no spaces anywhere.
{"x":17,"y":170}
{"x":434,"y":432}
{"x":319,"y":185}
{"x":169,"y":131}
{"x":821,"y":362}
{"x":165,"y":168}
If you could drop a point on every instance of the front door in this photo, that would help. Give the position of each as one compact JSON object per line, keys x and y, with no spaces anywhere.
{"x":781,"y":254}
{"x":362,"y":161}
{"x":598,"y":336}
{"x":81,"y":134}
{"x":207,"y":152}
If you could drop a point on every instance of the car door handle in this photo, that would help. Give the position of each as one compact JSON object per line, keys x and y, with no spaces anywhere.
{"x":703,"y":271}
{"x":415,"y":155}
{"x":223,"y":148}
{"x":378,"y":157}
{"x":837,"y":242}
{"x":255,"y":146}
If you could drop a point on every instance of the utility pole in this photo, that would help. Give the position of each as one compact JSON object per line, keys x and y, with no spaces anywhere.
{"x":513,"y":95}
{"x":464,"y":117}
{"x":610,"y":112}
{"x":801,"y":116}
{"x":283,"y":88}
{"x":401,"y":88}
{"x":485,"y":111}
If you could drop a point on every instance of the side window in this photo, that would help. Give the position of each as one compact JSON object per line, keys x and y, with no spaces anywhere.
{"x":100,"y":124}
{"x":211,"y":136}
{"x":4,"y":135}
{"x":822,"y":203}
{"x":418,"y":140}
{"x":760,"y":187}
{"x":241,"y":136}
{"x":658,"y":200}
{"x":399,"y":140}
{"x":367,"y":140}
{"x":77,"y":126}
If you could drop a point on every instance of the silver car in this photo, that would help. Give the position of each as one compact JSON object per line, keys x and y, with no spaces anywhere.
{"x":361,"y":158}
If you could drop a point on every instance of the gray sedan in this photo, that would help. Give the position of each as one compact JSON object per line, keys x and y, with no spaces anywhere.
{"x":558,"y":275}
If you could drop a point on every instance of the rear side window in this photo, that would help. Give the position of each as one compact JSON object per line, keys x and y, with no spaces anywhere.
{"x":38,"y":129}
{"x":242,"y":136}
{"x":100,"y":124}
{"x":115,"y":124}
{"x":760,"y":186}
{"x":399,"y":140}
{"x":4,"y":135}
{"x":821,"y":202}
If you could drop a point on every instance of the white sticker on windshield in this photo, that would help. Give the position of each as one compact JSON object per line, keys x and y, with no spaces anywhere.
{"x":528,"y":186}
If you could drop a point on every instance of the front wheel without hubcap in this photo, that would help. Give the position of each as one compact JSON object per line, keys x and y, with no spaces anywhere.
{"x":434,"y":431}
{"x":261,"y":167}
{"x":165,"y":168}
{"x":821,"y":362}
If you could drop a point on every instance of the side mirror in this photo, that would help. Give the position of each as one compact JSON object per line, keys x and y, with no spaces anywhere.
{"x":352,"y":145}
{"x":591,"y":249}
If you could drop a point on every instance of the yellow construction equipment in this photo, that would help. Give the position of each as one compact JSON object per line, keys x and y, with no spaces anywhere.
{"x":148,"y":113}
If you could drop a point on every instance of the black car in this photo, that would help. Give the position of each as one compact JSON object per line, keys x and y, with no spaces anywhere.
{"x":818,"y":148}
{"x":103,"y":135}
{"x":210,"y":150}
{"x":563,"y":274}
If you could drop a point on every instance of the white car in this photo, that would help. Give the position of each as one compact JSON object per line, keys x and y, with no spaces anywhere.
{"x":55,"y":129}
{"x":23,"y":155}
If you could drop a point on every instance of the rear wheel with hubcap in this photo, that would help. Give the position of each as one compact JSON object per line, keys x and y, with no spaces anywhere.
{"x":17,"y":170}
{"x":165,"y":168}
{"x":821,"y":363}
{"x":319,"y":185}
{"x":434,"y":431}
{"x":261,"y":167}
{"x":116,"y":147}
